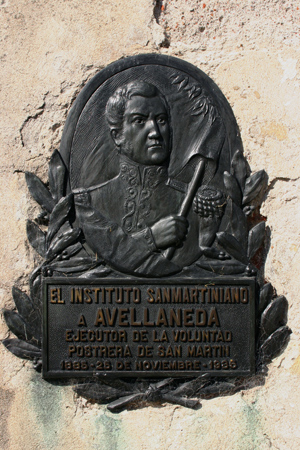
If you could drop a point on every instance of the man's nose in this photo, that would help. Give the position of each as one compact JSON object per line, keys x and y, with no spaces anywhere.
{"x":153,"y":129}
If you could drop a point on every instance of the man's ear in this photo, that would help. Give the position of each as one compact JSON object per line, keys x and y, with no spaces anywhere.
{"x":116,"y":137}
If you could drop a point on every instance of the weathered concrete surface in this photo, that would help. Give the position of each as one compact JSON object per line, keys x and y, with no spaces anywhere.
{"x":49,"y":49}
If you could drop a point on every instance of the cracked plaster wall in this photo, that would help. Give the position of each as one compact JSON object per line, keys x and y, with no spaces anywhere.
{"x":49,"y":49}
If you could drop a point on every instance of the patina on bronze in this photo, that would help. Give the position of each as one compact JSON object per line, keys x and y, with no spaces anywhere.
{"x":155,"y":140}
{"x":150,"y":257}
{"x":149,"y":328}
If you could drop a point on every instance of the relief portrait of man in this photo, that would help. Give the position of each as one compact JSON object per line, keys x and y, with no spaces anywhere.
{"x":133,"y":218}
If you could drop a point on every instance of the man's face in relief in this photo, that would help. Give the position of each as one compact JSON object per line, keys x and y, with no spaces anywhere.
{"x":145,"y":136}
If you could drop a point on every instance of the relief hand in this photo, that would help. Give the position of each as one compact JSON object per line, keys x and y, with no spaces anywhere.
{"x":169,"y":231}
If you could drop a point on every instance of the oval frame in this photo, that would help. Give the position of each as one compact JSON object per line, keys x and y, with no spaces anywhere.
{"x":71,"y":150}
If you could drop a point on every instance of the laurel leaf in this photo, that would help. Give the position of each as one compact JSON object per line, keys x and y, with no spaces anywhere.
{"x":200,"y":107}
{"x":96,"y":272}
{"x":232,"y":246}
{"x":73,"y":249}
{"x":73,"y":268}
{"x":74,"y":261}
{"x":15,"y":323}
{"x":274,"y":316}
{"x":191,"y":388}
{"x":35,"y":327}
{"x":198,"y":112}
{"x":254,"y":185}
{"x":232,"y":188}
{"x":216,"y":388}
{"x":18,"y":326}
{"x":27,"y":331}
{"x":63,"y":241}
{"x":182,"y":401}
{"x":265,"y":297}
{"x":22,"y":349}
{"x":196,"y":92}
{"x":222,"y":267}
{"x":57,"y":174}
{"x":234,"y":222}
{"x":184,"y":82}
{"x":256,"y":237}
{"x":42,"y":218}
{"x":36,"y":237}
{"x":177,"y":78}
{"x":59,"y":216}
{"x":39,"y":191}
{"x":23,"y":303}
{"x":28,"y":312}
{"x":122,"y":402}
{"x":98,"y":392}
{"x":191,"y":90}
{"x":239,"y":168}
{"x":275,"y":344}
{"x":36,"y":291}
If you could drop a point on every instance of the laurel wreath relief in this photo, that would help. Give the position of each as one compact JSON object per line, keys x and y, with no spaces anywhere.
{"x":61,"y":248}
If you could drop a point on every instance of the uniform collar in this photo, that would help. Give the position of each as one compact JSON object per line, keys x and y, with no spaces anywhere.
{"x":140,"y":174}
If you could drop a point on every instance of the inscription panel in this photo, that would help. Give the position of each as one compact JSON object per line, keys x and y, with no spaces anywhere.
{"x":148,"y":327}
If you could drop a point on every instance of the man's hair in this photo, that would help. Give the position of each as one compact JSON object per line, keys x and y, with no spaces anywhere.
{"x":115,"y":107}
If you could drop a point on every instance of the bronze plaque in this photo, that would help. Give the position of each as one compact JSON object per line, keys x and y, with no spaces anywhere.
{"x":152,"y":244}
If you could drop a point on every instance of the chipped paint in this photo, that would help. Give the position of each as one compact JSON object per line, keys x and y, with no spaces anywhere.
{"x":289,"y":68}
{"x":274,"y":130}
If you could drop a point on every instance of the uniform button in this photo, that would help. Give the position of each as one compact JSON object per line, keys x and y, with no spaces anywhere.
{"x":140,"y":225}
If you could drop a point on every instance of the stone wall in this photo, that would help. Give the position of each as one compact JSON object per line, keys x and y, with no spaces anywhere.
{"x":49,"y":50}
